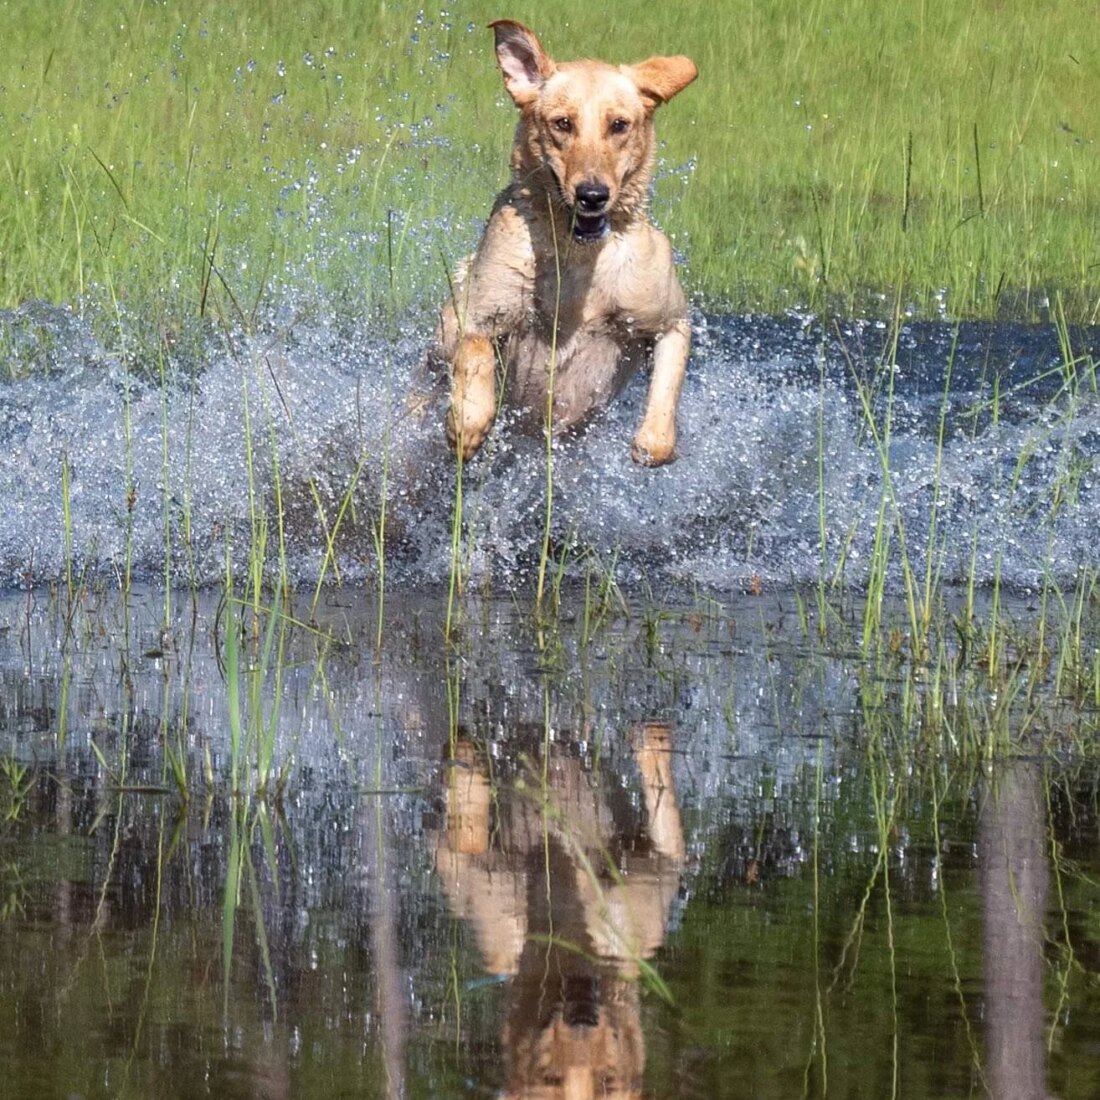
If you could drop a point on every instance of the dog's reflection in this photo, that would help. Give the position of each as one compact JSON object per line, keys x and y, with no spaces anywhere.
{"x":568,"y":889}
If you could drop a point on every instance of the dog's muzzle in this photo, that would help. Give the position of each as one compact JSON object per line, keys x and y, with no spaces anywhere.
{"x":591,"y":220}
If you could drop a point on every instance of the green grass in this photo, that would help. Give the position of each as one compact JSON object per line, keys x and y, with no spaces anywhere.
{"x":832,"y":155}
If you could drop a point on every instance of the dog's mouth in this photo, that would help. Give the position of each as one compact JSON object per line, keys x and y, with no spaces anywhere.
{"x":588,"y":207}
{"x":588,"y":228}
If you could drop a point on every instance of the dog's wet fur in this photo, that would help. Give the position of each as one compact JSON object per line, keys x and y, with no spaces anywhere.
{"x":571,"y":288}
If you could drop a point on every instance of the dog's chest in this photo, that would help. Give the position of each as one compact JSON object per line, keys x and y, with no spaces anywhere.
{"x":591,"y":290}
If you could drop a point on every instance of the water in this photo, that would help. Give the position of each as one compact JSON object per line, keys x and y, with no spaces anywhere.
{"x":678,"y":854}
{"x":105,"y":465}
{"x":666,"y":849}
{"x":662,"y":847}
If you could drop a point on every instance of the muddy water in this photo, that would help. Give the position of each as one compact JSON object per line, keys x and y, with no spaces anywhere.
{"x":671,"y":853}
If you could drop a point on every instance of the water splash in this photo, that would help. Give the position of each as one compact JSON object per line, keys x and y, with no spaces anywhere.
{"x":775,"y":442}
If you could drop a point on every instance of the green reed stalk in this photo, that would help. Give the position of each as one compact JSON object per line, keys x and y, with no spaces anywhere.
{"x":257,"y":550}
{"x":876,"y":578}
{"x":318,"y":684}
{"x":232,"y":678}
{"x":932,"y":555}
{"x":1040,"y":663}
{"x":136,"y":1044}
{"x":378,"y":530}
{"x":232,"y":898}
{"x":282,"y":582}
{"x":454,"y":583}
{"x":166,"y":481}
{"x":1068,"y":963}
{"x":889,"y":503}
{"x":821,"y":1039}
{"x":131,"y":491}
{"x":67,"y":523}
{"x":1064,"y":664}
{"x":271,"y":410}
{"x":119,"y":777}
{"x":78,"y":229}
{"x":454,"y":580}
{"x":174,"y":765}
{"x":994,"y":619}
{"x":559,"y":574}
{"x":885,"y":803}
{"x":822,"y":503}
{"x":63,"y":701}
{"x":942,"y":890}
{"x":186,"y":530}
{"x":262,"y":730}
{"x":454,"y":701}
{"x":1072,"y":674}
{"x":329,"y":559}
{"x":262,"y":943}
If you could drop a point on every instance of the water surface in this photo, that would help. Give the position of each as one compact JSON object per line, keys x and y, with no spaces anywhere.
{"x":675,"y":852}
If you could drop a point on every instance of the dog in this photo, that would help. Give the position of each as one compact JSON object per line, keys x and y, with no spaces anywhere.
{"x":567,"y":896}
{"x":571,"y":288}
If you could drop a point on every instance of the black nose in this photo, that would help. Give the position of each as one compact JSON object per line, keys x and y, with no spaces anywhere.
{"x":592,"y":197}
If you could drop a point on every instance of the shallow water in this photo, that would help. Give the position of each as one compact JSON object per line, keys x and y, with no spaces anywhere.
{"x":785,"y":426}
{"x":672,"y":850}
{"x":678,"y":852}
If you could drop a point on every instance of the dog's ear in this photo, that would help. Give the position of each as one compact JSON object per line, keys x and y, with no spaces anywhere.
{"x":523,"y":61}
{"x":660,"y":78}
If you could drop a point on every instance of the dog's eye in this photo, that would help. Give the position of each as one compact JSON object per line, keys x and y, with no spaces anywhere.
{"x":564,"y":124}
{"x":620,"y":125}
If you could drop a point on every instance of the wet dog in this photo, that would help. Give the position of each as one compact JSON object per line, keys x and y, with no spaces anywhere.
{"x":571,"y":288}
{"x":568,"y":896}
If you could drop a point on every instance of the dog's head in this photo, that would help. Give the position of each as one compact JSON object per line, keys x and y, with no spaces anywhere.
{"x":578,"y":1039}
{"x":587,"y":126}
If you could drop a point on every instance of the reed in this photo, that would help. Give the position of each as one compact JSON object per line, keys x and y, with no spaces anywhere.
{"x":67,"y":527}
{"x":548,"y":422}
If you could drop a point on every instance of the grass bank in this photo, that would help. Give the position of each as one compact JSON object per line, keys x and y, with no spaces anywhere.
{"x":177,"y":163}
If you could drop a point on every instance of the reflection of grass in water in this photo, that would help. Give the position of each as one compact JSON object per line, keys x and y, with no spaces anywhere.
{"x":972,"y":1041}
{"x":255,"y":663}
{"x":16,"y":781}
{"x":255,"y":774}
{"x":881,"y":897}
{"x":282,"y":146}
{"x":894,"y":744}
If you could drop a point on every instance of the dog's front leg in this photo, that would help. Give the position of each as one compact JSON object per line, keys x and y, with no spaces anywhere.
{"x":655,"y":441}
{"x":473,"y":394}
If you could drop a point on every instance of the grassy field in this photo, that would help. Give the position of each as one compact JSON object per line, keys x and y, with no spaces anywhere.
{"x":840,"y":155}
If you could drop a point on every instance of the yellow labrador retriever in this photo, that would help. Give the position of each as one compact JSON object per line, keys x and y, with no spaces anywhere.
{"x":568,"y":899}
{"x":571,"y":288}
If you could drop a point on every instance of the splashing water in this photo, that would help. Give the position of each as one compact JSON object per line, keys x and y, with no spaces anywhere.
{"x":117,"y":459}
{"x":784,"y":433}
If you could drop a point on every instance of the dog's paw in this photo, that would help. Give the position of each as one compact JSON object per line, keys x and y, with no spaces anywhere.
{"x":465,"y":439}
{"x":649,"y":449}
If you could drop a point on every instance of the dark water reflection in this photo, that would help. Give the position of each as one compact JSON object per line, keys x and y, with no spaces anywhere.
{"x":1015,"y":882}
{"x":675,"y":854}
